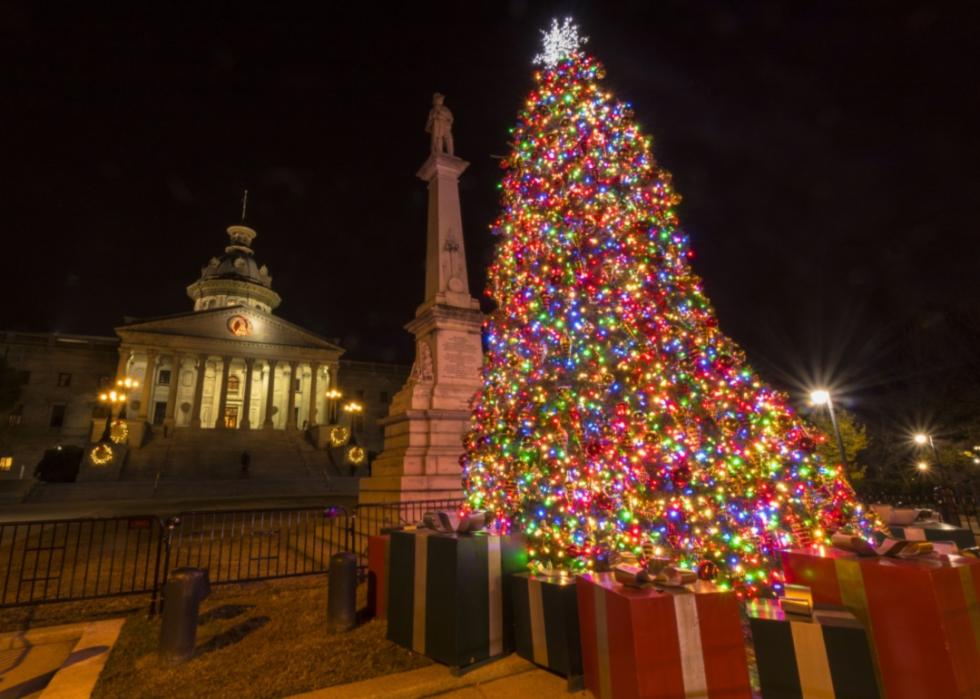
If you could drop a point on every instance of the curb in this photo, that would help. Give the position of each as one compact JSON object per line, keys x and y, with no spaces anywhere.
{"x":424,"y":682}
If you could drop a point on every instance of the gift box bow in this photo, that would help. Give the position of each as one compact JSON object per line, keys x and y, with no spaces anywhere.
{"x":889,"y":547}
{"x":455,"y":523}
{"x":656,"y":571}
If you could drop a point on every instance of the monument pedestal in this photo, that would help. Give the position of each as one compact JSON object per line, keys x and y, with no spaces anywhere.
{"x":428,"y":417}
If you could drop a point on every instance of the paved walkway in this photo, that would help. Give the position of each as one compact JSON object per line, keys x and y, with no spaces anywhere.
{"x":509,"y":677}
{"x":55,"y":662}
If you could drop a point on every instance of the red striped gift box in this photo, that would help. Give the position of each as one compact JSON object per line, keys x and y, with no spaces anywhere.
{"x":921,"y":613}
{"x":676,"y":643}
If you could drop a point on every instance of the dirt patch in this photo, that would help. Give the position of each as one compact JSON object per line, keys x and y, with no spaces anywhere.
{"x":261,"y":639}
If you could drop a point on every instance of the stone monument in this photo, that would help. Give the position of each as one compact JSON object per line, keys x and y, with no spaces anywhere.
{"x":427,"y":418}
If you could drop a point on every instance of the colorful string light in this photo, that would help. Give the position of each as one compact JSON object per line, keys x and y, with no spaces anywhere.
{"x":614,"y":413}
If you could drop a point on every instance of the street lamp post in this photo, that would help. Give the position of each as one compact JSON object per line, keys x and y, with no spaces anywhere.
{"x":947,"y":500}
{"x":353,"y":408}
{"x":922,"y":439}
{"x":822,"y":397}
{"x":333,"y":396}
{"x":355,"y":454}
{"x":113,"y":400}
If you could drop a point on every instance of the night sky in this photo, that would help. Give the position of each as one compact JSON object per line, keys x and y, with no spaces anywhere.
{"x":827,"y":156}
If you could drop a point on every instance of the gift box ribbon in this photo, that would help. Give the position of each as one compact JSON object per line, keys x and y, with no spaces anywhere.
{"x":539,"y":640}
{"x":453,"y":523}
{"x":892,"y":548}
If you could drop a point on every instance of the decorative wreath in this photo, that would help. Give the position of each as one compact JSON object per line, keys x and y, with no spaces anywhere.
{"x":119,"y":431}
{"x":101,"y":454}
{"x":356,"y":455}
{"x":339,"y":436}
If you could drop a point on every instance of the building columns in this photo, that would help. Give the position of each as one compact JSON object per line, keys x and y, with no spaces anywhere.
{"x":246,"y":423}
{"x":223,"y":396}
{"x":315,"y":374}
{"x":270,"y":395}
{"x":148,"y":381}
{"x":202,"y":367}
{"x":168,"y":420}
{"x":122,"y":366}
{"x":291,"y":410}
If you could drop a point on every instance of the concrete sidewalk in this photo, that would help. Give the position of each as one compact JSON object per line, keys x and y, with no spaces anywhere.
{"x":509,"y":677}
{"x":56,"y":662}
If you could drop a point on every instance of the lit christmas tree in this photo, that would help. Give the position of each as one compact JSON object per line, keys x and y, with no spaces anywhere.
{"x":614,"y":414}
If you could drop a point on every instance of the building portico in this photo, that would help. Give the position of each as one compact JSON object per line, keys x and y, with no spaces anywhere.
{"x":275,"y":377}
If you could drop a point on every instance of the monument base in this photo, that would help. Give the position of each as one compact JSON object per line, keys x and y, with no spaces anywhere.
{"x":408,"y":489}
{"x":421,"y":458}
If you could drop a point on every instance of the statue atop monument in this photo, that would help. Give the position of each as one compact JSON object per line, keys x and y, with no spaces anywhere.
{"x":440,"y":125}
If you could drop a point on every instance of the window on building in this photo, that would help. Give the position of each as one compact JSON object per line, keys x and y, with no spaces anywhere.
{"x":16,"y":415}
{"x":234,"y":384}
{"x":58,"y":415}
{"x":383,"y":397}
{"x":64,"y":379}
{"x":299,"y":385}
{"x":6,"y":462}
{"x":360,"y":395}
{"x":163,"y":378}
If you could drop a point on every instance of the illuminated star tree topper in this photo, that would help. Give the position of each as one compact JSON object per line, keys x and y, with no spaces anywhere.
{"x":560,"y":42}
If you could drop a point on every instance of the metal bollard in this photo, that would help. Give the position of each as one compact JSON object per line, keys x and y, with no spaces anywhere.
{"x":182,"y":595}
{"x":342,"y":593}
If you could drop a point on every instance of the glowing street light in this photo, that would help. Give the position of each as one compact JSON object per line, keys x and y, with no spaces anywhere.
{"x":353,"y":408}
{"x":127,"y":383}
{"x":922,"y":466}
{"x":821,"y":396}
{"x":920,"y":438}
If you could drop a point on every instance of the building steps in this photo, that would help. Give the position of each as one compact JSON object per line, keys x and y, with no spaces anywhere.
{"x":204,"y":454}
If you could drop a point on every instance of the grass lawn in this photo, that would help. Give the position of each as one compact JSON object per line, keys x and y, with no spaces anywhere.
{"x":260,"y":639}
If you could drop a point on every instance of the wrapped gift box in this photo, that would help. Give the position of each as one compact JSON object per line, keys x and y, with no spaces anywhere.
{"x":935,"y":531}
{"x":446,"y":596}
{"x":921,"y":613}
{"x":666,"y":643}
{"x":379,"y":551}
{"x":826,"y":654}
{"x":546,"y":628}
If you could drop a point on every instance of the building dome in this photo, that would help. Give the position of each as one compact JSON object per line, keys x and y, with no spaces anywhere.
{"x":235,"y":278}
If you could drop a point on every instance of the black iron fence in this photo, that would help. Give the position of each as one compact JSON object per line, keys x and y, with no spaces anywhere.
{"x":62,"y":560}
{"x":79,"y":559}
